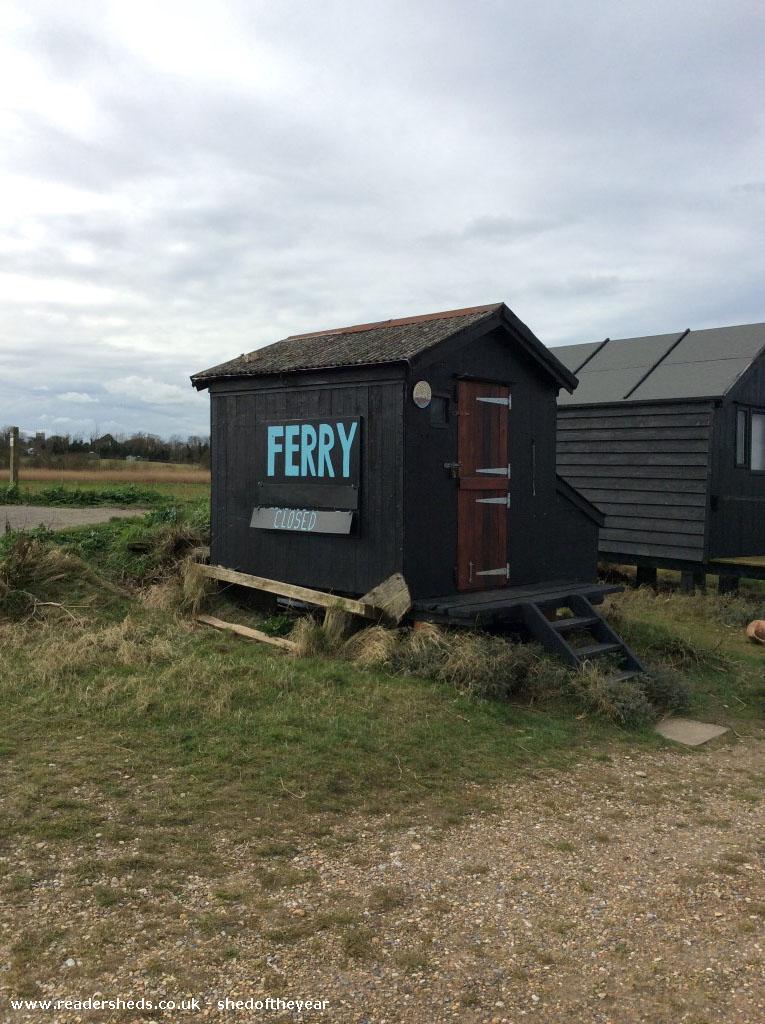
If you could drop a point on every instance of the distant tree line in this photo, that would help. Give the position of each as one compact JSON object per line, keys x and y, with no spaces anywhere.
{"x":62,"y":449}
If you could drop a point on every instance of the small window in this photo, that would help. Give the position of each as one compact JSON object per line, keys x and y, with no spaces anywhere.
{"x":741,"y":418}
{"x":757,"y":444}
{"x":439,"y":410}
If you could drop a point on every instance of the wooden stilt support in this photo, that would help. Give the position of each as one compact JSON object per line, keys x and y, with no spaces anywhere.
{"x":727,"y":585}
{"x":646,"y":576}
{"x":691,"y":580}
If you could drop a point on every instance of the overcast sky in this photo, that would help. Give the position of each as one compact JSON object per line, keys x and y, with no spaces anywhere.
{"x":182,"y":182}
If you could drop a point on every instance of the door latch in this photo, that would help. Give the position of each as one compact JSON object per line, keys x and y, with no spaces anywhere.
{"x":454,"y":468}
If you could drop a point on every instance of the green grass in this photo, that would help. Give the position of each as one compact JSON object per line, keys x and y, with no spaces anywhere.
{"x":122,"y":495}
{"x":703,"y":638}
{"x":138,"y":750}
{"x":214,"y":730}
{"x":241,"y":730}
{"x":131,"y":550}
{"x":93,"y":492}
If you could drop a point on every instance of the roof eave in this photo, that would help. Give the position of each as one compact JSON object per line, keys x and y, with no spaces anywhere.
{"x":744,"y":373}
{"x":538,"y":351}
{"x":201,"y":381}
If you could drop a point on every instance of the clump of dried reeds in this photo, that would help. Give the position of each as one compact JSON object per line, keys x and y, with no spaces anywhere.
{"x":472,"y":662}
{"x":32,"y":572}
{"x":195,"y":586}
{"x":373,"y":647}
{"x":309,"y":637}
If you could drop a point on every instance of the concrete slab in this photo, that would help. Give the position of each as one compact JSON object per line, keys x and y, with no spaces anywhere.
{"x":26,"y":517}
{"x":688,"y":731}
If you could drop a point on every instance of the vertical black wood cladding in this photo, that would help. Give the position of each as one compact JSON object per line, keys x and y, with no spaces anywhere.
{"x":738,"y":512}
{"x":407,"y":518}
{"x":545,"y":540}
{"x":344,"y":564}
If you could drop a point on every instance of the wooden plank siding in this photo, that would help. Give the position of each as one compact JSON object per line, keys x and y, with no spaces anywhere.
{"x":345,"y":564}
{"x":738,"y":494}
{"x":647,"y":467}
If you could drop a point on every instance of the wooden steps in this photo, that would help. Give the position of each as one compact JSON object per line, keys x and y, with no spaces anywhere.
{"x":570,"y":624}
{"x":553,"y":631}
{"x":595,"y":650}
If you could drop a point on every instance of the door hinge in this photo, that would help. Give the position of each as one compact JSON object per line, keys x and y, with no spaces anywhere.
{"x":496,"y":471}
{"x":508,"y":402}
{"x":504,"y":571}
{"x":494,"y":501}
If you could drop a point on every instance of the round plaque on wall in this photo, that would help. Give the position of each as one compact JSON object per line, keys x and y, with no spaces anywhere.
{"x":422,"y":394}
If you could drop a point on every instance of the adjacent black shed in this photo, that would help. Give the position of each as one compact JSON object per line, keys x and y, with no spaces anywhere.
{"x":666,"y":434}
{"x":424,"y":446}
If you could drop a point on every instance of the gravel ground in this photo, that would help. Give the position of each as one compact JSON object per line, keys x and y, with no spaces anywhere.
{"x":25,"y":517}
{"x":629,"y":889}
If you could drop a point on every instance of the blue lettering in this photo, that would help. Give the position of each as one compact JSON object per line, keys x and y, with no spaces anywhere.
{"x":307,"y":448}
{"x":346,"y":443}
{"x":326,"y":444}
{"x":274,"y":447}
{"x":290,"y":450}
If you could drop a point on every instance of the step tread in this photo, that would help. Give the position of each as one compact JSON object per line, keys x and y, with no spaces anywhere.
{"x":594,"y":649}
{"x":628,"y":673}
{"x":580,"y":622}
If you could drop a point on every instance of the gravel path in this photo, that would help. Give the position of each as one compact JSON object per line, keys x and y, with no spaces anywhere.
{"x":25,"y":517}
{"x":629,"y":889}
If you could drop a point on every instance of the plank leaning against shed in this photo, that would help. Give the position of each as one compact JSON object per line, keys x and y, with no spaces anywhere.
{"x":422,"y":446}
{"x":666,"y":434}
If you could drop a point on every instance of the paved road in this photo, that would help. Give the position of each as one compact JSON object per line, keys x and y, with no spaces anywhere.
{"x":25,"y":517}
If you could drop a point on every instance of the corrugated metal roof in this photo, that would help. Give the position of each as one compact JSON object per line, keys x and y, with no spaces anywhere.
{"x":387,"y":341}
{"x":699,"y":364}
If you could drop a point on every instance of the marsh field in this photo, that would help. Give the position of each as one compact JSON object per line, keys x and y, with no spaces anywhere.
{"x":112,"y":481}
{"x":410,"y":825}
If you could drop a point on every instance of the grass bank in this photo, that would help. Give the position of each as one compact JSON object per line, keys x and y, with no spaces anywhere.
{"x":123,"y":490}
{"x":102,"y":648}
{"x":175,"y":785}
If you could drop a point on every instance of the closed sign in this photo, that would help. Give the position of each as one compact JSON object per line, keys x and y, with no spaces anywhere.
{"x":301,"y":520}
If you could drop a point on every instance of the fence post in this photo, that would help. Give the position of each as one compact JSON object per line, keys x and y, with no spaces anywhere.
{"x":14,"y":452}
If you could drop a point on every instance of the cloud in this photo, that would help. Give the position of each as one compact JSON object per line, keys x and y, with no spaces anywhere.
{"x":751,"y":187}
{"x":179,"y":186}
{"x":146,"y":389}
{"x":76,"y":396}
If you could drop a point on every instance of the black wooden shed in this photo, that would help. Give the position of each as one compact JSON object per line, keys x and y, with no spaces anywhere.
{"x":423,"y":446}
{"x":666,"y":434}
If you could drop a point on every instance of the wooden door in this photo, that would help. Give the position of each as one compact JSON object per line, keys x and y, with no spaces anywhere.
{"x":484,"y":474}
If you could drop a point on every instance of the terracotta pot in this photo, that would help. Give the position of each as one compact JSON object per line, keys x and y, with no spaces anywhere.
{"x":756,"y":631}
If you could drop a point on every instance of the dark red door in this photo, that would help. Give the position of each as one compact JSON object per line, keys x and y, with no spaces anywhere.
{"x":483,"y":485}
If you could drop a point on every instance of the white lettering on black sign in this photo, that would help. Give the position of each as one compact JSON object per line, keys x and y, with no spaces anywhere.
{"x":301,"y":520}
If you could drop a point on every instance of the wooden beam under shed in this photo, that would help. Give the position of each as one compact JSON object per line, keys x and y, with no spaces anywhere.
{"x":246,"y":631}
{"x":391,"y":598}
{"x":318,"y":597}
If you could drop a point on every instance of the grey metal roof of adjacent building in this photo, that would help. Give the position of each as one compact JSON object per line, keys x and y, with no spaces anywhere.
{"x":683,"y":364}
{"x":388,"y":341}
